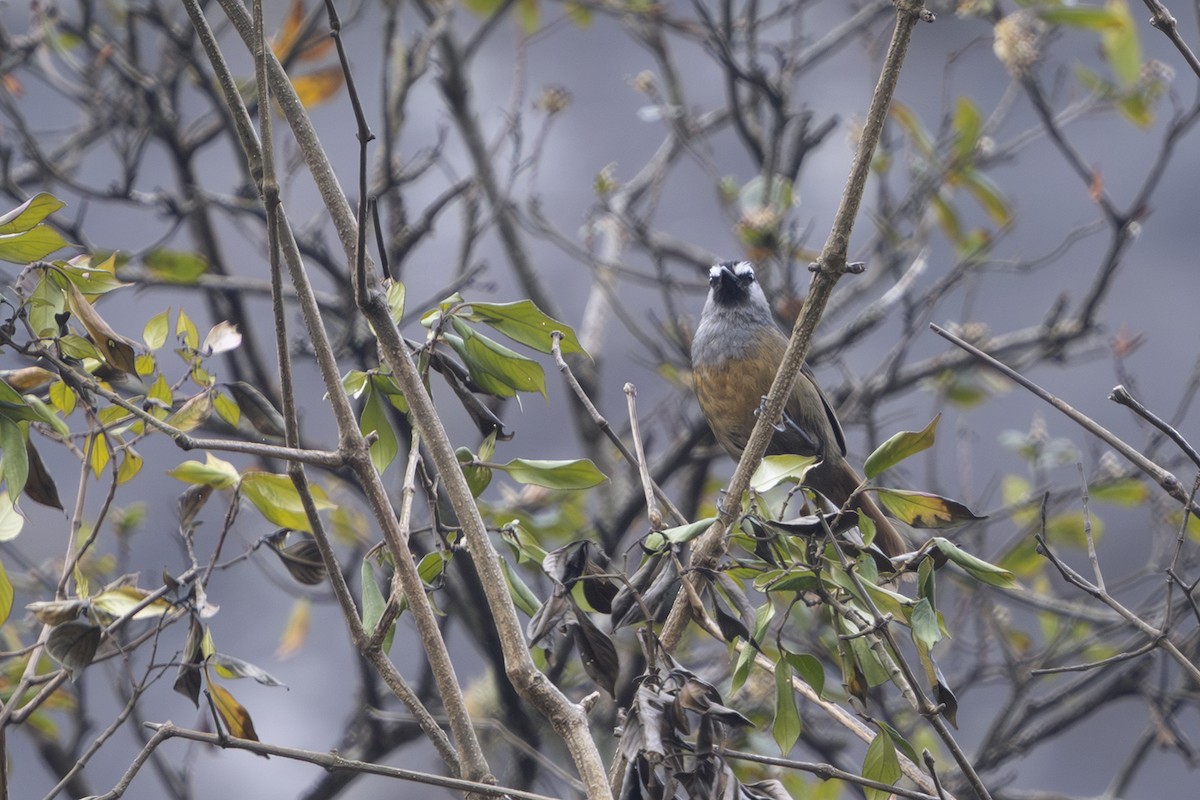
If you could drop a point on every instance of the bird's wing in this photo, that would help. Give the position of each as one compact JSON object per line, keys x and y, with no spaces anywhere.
{"x":838,"y":435}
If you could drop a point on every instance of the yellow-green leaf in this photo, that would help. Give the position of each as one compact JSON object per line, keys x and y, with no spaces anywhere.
{"x":131,"y":465}
{"x":923,"y":509}
{"x":30,"y":213}
{"x":6,"y":595}
{"x":186,"y":332}
{"x":899,"y":447}
{"x":98,"y":453}
{"x":213,"y":472}
{"x":276,"y":498}
{"x":121,"y":600}
{"x":154,"y":334}
{"x":193,"y":413}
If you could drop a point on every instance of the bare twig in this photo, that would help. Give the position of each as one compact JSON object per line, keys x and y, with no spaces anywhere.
{"x":1160,"y":476}
{"x":327,"y":761}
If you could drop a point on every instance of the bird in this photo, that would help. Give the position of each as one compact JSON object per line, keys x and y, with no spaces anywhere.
{"x":736,"y":351}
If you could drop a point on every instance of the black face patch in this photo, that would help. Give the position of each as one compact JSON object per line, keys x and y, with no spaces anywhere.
{"x":731,"y":281}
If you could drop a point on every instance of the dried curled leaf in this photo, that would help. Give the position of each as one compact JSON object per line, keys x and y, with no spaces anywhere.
{"x":302,"y":559}
{"x":232,"y":713}
{"x":118,"y":351}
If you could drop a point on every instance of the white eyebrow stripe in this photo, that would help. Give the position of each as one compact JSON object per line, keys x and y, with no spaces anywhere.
{"x":743,"y":268}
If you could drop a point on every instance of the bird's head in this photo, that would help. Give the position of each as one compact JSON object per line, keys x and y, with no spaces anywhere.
{"x":732,"y":286}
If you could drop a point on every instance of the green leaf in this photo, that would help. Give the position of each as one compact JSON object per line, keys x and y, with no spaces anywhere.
{"x":374,"y":419}
{"x":975,"y":567}
{"x":175,"y":266}
{"x":277,"y":499}
{"x":477,"y":477}
{"x":73,"y":644}
{"x":881,"y":764}
{"x":580,"y":473}
{"x":14,"y":407}
{"x":213,"y":472}
{"x":677,"y":535}
{"x":809,"y":668}
{"x":373,"y":604}
{"x":524,"y":322}
{"x":523,"y":597}
{"x":493,"y":366}
{"x":14,"y":458}
{"x":354,"y":383}
{"x":432,"y":566}
{"x":899,"y":447}
{"x":47,"y":301}
{"x":79,"y":348}
{"x":776,"y":469}
{"x":786,"y":724}
{"x":902,"y":745}
{"x":924,"y":510}
{"x":395,"y":299}
{"x":92,"y":277}
{"x":924,"y":622}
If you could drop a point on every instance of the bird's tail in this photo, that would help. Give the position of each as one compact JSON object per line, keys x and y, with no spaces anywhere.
{"x":837,"y":480}
{"x":887,"y":538}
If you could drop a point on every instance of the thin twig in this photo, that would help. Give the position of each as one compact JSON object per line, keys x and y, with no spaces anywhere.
{"x":1166,"y":480}
{"x":328,"y":761}
{"x":603,"y":425}
{"x":643,"y":470}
